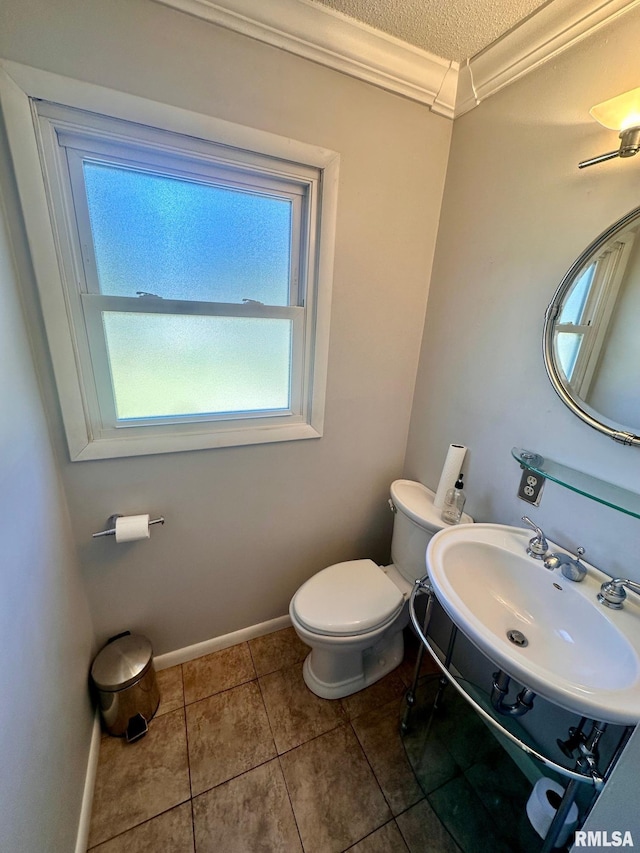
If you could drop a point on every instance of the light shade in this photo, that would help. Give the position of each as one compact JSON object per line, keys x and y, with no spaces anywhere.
{"x":619,"y":113}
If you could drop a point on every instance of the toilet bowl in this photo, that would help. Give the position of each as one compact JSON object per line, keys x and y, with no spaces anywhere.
{"x":352,"y":614}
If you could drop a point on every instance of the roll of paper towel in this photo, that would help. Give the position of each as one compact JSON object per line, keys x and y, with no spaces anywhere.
{"x":542,"y":806}
{"x":450,"y":472}
{"x":130,"y":528}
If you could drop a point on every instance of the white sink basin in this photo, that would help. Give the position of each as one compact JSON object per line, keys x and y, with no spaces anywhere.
{"x":579,"y":654}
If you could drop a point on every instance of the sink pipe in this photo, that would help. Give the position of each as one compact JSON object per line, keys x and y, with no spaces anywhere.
{"x":500,"y":688}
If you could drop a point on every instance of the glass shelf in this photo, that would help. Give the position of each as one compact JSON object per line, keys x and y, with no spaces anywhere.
{"x":584,"y":484}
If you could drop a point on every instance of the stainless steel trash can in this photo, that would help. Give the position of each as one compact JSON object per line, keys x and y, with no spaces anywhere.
{"x":125,"y":682}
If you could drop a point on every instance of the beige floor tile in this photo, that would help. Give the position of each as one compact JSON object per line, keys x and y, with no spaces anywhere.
{"x":422,"y":830}
{"x":295,"y":713}
{"x":170,"y":832}
{"x":379,"y":735}
{"x":137,"y":781}
{"x":387,"y":839}
{"x":171,"y":690}
{"x":381,"y":693}
{"x":228,"y":734}
{"x":217,"y":672}
{"x":336,"y":799}
{"x":257,"y":802}
{"x":277,"y":650}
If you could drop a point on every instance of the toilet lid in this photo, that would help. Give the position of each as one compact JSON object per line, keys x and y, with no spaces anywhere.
{"x":347,"y":598}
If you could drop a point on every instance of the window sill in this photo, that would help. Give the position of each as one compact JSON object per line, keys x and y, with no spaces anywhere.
{"x":145,"y":445}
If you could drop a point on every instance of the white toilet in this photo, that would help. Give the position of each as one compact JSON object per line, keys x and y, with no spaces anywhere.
{"x":352,"y":614}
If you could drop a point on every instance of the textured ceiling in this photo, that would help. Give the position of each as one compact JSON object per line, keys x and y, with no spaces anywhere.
{"x":452,"y":29}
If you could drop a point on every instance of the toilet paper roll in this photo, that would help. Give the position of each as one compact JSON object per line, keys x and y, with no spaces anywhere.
{"x":542,"y":806}
{"x":130,"y":528}
{"x":450,"y":472}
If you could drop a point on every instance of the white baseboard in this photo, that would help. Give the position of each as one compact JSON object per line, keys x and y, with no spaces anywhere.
{"x":163,"y":662}
{"x":216,"y":643}
{"x":82,"y":839}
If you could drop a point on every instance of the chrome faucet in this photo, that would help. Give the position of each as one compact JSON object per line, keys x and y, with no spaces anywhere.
{"x":571,"y":567}
{"x":538,"y":545}
{"x":612,"y":593}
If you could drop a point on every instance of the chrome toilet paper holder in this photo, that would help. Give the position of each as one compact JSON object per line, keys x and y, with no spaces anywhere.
{"x":111,"y":525}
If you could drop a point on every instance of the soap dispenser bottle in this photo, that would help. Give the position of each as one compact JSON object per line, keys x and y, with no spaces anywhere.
{"x":454,"y":503}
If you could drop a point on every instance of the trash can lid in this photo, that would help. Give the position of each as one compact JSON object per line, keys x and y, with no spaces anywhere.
{"x":121,"y":662}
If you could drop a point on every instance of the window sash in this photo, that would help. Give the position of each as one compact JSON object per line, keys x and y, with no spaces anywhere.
{"x":104,"y":405}
{"x":212,"y":176}
{"x":100,"y":392}
{"x":597,"y":312}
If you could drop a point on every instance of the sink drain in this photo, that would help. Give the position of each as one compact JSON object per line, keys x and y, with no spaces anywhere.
{"x":517,"y":638}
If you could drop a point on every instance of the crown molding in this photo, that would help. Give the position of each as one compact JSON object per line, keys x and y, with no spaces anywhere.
{"x":334,"y":40}
{"x":330,"y":38}
{"x":545,"y":34}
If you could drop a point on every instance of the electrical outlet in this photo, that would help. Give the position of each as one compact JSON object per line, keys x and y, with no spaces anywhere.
{"x":530,"y":488}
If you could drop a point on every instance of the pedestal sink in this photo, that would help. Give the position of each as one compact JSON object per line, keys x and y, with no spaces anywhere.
{"x":564,"y":645}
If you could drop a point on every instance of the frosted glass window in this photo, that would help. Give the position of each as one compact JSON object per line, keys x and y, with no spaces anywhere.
{"x":179,"y":365}
{"x":191,"y":283}
{"x":183,"y":239}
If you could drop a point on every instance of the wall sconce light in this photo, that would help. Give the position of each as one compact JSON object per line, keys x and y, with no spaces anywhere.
{"x":621,"y":113}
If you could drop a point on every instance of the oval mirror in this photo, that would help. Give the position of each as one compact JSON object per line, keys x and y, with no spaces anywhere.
{"x":592,"y":333}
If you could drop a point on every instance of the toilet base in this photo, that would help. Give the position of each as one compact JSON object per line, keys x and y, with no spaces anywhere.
{"x":374,"y":663}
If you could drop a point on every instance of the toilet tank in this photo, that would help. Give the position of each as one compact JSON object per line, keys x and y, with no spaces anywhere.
{"x":415,"y":521}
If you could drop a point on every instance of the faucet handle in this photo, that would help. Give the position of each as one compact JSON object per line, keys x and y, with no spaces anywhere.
{"x":533,"y":526}
{"x":572,"y":569}
{"x":612,"y":593}
{"x":538,"y":545}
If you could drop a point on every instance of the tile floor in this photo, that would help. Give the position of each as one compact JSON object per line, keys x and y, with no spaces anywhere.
{"x":241,"y":758}
{"x":471,"y":783}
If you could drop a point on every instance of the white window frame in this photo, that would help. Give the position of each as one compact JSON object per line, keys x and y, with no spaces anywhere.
{"x":598,"y":311}
{"x":170,"y":137}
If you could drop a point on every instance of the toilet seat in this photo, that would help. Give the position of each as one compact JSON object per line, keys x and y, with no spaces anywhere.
{"x":348,"y":598}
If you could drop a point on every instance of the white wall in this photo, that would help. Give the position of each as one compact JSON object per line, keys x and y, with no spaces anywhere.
{"x":246,"y":526}
{"x":516,"y":213}
{"x":46,"y":638}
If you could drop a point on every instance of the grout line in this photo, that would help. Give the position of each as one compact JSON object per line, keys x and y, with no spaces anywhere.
{"x":293,"y":811}
{"x":366,"y":758}
{"x":137,"y":825}
{"x":266,"y":711}
{"x":253,"y":662}
{"x":373,"y":831}
{"x":315,"y":737}
{"x":193,"y":824}
{"x":218,"y":692}
{"x":186,"y":735}
{"x":406,"y":840}
{"x":232,"y":778}
{"x":251,"y":677}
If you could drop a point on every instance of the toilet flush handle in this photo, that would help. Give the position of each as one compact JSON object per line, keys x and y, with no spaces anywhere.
{"x":392,"y":506}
